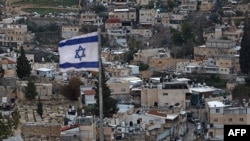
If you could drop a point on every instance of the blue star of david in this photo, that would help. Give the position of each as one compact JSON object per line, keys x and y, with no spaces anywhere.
{"x":80,"y":53}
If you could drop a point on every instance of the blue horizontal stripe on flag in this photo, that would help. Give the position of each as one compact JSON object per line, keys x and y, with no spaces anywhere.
{"x":78,"y":41}
{"x":79,"y":65}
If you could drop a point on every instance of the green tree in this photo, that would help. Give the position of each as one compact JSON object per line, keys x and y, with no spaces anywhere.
{"x":150,"y":5}
{"x":40,"y":108}
{"x":15,"y":118}
{"x":245,"y":48}
{"x":237,"y":22}
{"x":72,"y":90}
{"x":30,"y":90}
{"x":7,"y":125}
{"x":1,"y":72}
{"x":5,"y":129}
{"x":143,"y":66}
{"x":109,"y":103}
{"x":171,"y":4}
{"x":240,"y":92}
{"x":133,"y":44}
{"x":23,"y":67}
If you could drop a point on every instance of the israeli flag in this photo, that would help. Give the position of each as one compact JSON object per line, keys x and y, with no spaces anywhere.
{"x":79,"y":53}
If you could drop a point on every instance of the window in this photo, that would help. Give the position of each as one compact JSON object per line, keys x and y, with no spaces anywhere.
{"x":123,"y":89}
{"x":151,"y":121}
{"x":230,"y":120}
{"x":215,"y":119}
{"x":165,"y":94}
{"x":217,"y":110}
{"x":241,"y":119}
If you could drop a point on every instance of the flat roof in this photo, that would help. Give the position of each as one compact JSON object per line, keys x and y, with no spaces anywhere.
{"x":202,"y":89}
{"x":182,"y":79}
{"x":212,"y":104}
{"x":121,"y":10}
{"x":124,"y":108}
{"x":44,"y":69}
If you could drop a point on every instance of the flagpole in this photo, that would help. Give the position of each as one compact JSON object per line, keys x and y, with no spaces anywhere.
{"x":100,"y":82}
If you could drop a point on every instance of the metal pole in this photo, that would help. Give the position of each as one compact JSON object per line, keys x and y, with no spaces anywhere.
{"x":100,"y":83}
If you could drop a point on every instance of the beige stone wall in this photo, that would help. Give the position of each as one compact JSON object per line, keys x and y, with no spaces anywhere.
{"x":41,"y":130}
{"x":142,"y":2}
{"x":229,"y":119}
{"x":215,"y":132}
{"x":107,"y":133}
{"x":160,"y":64}
{"x":145,"y":74}
{"x":89,"y":131}
{"x":209,"y":52}
{"x":149,"y":96}
{"x":119,"y":88}
{"x":224,"y":62}
{"x":206,"y":6}
{"x":131,"y":15}
{"x":142,"y":32}
{"x":112,"y":25}
{"x":10,"y":73}
{"x":172,"y":97}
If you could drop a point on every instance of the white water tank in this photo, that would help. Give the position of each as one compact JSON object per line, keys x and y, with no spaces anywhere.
{"x":123,"y":124}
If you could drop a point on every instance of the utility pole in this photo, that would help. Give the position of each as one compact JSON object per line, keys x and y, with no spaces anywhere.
{"x":100,"y":80}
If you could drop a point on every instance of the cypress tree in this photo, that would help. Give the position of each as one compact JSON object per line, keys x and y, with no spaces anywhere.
{"x":23,"y":67}
{"x":40,"y":108}
{"x":109,"y":103}
{"x":30,"y":90}
{"x":245,"y":48}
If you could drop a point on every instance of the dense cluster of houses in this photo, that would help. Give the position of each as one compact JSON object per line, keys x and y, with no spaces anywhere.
{"x":150,"y":107}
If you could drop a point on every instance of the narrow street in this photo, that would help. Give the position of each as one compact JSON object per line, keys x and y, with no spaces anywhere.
{"x":190,"y":134}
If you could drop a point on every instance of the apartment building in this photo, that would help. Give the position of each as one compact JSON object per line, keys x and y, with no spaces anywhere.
{"x":243,"y":7}
{"x":228,"y":65}
{"x":126,"y":15}
{"x":118,"y":86}
{"x":143,"y":32}
{"x":145,"y":54}
{"x":89,"y":18}
{"x":113,"y":23}
{"x":220,"y":114}
{"x":13,"y":35}
{"x":176,"y":20}
{"x":213,"y":48}
{"x":206,"y":5}
{"x":163,"y":18}
{"x":160,"y":64}
{"x":69,"y":31}
{"x":165,"y":94}
{"x":118,"y":71}
{"x":143,"y":2}
{"x":147,"y":16}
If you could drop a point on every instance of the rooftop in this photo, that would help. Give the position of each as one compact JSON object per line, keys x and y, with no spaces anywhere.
{"x":44,"y":69}
{"x":212,"y":104}
{"x":113,"y":20}
{"x":89,"y":92}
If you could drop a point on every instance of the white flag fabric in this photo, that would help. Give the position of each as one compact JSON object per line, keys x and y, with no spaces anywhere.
{"x":79,"y":53}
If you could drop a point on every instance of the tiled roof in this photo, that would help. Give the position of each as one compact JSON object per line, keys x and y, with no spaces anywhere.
{"x":89,"y":92}
{"x":11,"y":62}
{"x":67,"y":127}
{"x":155,"y":113}
{"x":113,"y":20}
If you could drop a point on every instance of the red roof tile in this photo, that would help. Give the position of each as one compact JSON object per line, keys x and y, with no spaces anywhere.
{"x":67,"y":127}
{"x":155,"y":113}
{"x":113,"y":20}
{"x":89,"y":92}
{"x":11,"y":62}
